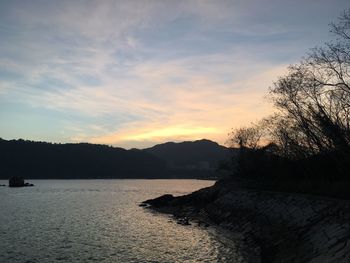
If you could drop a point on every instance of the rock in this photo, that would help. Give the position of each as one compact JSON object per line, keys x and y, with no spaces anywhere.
{"x":281,"y":227}
{"x":18,"y":182}
{"x":2,"y":184}
{"x":160,"y":201}
{"x":184,"y":221}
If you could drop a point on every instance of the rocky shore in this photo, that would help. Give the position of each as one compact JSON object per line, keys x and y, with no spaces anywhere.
{"x":271,"y":226}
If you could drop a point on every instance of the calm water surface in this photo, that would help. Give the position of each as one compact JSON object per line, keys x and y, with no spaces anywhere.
{"x":100,"y":221}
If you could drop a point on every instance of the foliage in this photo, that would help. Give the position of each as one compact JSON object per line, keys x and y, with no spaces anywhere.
{"x":311,"y":126}
{"x":313,"y":100}
{"x":246,"y":137}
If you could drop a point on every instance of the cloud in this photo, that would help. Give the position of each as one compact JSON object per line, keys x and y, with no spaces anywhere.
{"x":139,"y":72}
{"x":203,"y":110}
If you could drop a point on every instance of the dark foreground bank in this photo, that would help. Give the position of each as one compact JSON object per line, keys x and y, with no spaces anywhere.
{"x":274,"y":227}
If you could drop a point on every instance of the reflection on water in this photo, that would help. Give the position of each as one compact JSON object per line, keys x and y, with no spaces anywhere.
{"x":100,"y":221}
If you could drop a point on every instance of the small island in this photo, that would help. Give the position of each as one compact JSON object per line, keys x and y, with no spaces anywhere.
{"x":16,"y":181}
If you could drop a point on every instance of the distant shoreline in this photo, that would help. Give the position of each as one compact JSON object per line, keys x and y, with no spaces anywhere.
{"x":42,"y":160}
{"x":165,"y":179}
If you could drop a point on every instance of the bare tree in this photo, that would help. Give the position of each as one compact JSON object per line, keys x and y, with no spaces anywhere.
{"x":342,"y":28}
{"x":313,"y":99}
{"x":246,"y":137}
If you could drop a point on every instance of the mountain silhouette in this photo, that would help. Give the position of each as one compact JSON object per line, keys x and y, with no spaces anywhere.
{"x":204,"y":155}
{"x":42,"y":160}
{"x":39,"y":160}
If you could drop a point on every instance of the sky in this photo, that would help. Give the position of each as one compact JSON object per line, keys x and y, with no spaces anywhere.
{"x":138,"y":73}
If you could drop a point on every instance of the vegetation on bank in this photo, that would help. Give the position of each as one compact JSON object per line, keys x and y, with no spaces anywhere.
{"x":305,"y":145}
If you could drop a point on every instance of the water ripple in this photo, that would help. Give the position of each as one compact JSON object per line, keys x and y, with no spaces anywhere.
{"x":100,"y":221}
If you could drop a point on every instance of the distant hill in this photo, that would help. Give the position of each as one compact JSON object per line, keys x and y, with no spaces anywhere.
{"x":202,"y":155}
{"x":71,"y":161}
{"x":41,"y":160}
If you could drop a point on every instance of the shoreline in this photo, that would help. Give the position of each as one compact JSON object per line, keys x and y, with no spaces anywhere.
{"x":243,"y":247}
{"x":280,"y":227}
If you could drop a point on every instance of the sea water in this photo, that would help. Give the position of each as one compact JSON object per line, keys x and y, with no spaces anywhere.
{"x":100,"y":221}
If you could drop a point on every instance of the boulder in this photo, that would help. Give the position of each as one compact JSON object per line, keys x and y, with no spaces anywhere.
{"x":16,"y":181}
{"x":184,"y":221}
{"x":160,"y":201}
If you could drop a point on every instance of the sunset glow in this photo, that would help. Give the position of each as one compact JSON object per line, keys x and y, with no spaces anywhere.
{"x":137,"y":73}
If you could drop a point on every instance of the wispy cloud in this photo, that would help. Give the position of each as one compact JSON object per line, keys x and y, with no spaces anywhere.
{"x":134,"y":73}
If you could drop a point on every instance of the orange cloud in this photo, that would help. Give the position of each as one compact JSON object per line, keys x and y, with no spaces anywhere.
{"x":206,"y":113}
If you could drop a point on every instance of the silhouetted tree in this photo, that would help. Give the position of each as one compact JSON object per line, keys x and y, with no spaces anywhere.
{"x":308,"y":138}
{"x":246,"y":137}
{"x":313,"y":99}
